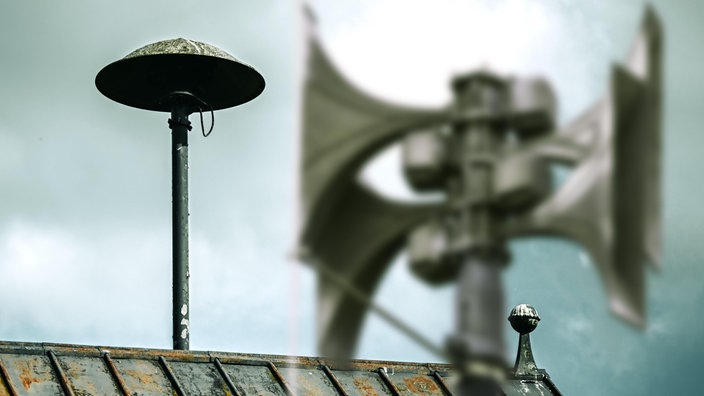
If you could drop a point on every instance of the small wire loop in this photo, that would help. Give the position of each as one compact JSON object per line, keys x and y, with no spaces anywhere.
{"x":212,"y":120}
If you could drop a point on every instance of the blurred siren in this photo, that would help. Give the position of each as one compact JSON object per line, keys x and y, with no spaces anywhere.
{"x":425,"y":155}
{"x":533,"y":107}
{"x":347,"y":227}
{"x":610,"y":203}
{"x":520,"y":181}
{"x":430,"y":255}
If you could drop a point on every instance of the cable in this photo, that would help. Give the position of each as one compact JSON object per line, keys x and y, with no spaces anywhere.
{"x":361,"y":297}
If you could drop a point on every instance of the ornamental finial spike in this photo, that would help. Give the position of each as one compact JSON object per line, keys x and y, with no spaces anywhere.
{"x":524,"y":319}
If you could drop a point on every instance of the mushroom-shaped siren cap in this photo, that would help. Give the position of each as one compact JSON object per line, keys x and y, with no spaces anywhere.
{"x":147,"y":77}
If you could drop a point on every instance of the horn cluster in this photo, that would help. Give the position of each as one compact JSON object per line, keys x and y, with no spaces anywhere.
{"x":491,"y":152}
{"x":516,"y":112}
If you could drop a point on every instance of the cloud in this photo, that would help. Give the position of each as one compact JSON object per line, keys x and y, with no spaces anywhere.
{"x":408,"y":56}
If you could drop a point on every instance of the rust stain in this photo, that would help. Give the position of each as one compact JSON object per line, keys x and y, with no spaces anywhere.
{"x":144,"y":378}
{"x":181,"y":356}
{"x":26,"y":375}
{"x":74,"y":369}
{"x":364,"y":387}
{"x":420,"y":385}
{"x":307,"y":385}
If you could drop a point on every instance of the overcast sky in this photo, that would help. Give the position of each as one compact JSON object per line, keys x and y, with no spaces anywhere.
{"x":85,"y":214}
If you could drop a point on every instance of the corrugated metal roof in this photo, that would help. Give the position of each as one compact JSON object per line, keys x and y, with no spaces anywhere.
{"x":54,"y":369}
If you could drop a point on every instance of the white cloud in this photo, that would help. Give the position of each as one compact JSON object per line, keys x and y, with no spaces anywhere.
{"x":406,"y":51}
{"x":115,"y":288}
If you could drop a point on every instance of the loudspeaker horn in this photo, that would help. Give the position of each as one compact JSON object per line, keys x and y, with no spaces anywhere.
{"x":347,"y":226}
{"x":610,"y":202}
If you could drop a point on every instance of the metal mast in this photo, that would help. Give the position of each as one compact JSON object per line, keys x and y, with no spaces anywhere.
{"x":181,"y":77}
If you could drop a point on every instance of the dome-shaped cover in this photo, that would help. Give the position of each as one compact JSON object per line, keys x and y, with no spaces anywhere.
{"x":148,"y":76}
{"x":181,"y":46}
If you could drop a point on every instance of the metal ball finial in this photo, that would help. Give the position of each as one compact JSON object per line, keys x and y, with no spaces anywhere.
{"x":524,"y":318}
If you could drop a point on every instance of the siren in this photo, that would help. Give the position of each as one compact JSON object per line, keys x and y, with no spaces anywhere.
{"x":609,"y":204}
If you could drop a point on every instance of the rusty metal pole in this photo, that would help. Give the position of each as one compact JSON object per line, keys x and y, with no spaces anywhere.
{"x":180,"y":125}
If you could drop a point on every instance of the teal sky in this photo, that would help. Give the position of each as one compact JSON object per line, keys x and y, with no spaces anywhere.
{"x":85,"y":214}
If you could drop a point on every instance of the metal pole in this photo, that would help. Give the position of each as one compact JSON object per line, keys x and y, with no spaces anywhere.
{"x":478,"y":344}
{"x":180,"y":126}
{"x":480,"y":305}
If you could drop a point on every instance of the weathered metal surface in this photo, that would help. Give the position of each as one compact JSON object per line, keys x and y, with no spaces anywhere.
{"x":385,"y":378}
{"x":254,"y":380}
{"x":444,"y":382}
{"x":6,"y":388}
{"x":31,"y":375}
{"x":210,"y":382}
{"x":279,"y":378}
{"x":116,"y":375}
{"x":307,"y":381}
{"x":334,"y":380}
{"x":180,"y":313}
{"x":63,"y":379}
{"x":88,"y":376}
{"x":178,"y":389}
{"x":415,"y":384}
{"x":363,"y":383}
{"x":181,"y":46}
{"x":26,"y":369}
{"x":230,"y":385}
{"x":143,"y":377}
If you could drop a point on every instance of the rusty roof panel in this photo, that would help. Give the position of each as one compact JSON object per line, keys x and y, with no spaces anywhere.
{"x":254,"y":380}
{"x":88,"y":375}
{"x":308,"y":381}
{"x":409,"y":384}
{"x":210,"y":382}
{"x":143,"y":377}
{"x":361,"y":383}
{"x":31,"y":375}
